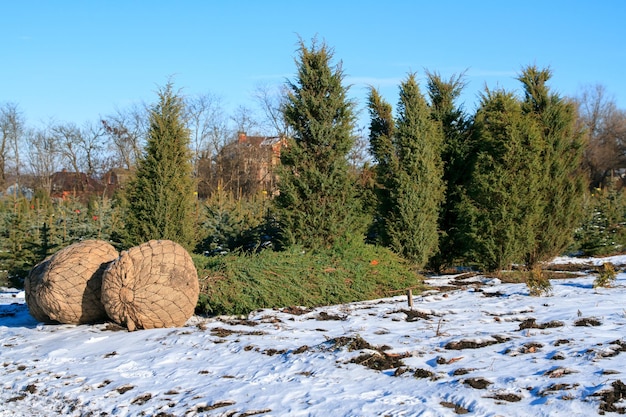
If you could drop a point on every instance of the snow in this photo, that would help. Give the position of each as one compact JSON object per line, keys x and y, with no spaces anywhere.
{"x":615,"y":260}
{"x":472,"y":349}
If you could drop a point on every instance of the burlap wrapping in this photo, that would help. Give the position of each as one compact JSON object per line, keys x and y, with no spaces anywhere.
{"x":65,"y":287}
{"x":152,"y":285}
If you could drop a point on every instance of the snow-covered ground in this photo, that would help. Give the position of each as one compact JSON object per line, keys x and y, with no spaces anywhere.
{"x":484,"y":349}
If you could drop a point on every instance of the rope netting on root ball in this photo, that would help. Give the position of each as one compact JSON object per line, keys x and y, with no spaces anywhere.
{"x":65,"y":287}
{"x":152,"y":285}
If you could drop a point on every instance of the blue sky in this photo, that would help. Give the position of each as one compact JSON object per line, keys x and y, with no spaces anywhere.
{"x":75,"y":61}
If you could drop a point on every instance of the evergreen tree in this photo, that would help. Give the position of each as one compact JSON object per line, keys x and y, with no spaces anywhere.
{"x":456,"y":154}
{"x":160,"y":200}
{"x":408,"y":151}
{"x":563,"y":185}
{"x":503,"y":206}
{"x":16,"y":256}
{"x":317,"y":204}
{"x":382,"y":127}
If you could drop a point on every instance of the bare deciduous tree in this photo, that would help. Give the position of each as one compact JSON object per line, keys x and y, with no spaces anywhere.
{"x":43,"y":156}
{"x":606,"y":130}
{"x":68,"y":137}
{"x":93,"y":145}
{"x":12,"y":127}
{"x":272,"y":101}
{"x":245,"y":120}
{"x":208,"y":125}
{"x":127,"y":131}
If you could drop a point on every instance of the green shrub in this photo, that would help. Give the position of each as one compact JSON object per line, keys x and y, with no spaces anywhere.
{"x":538,"y":284}
{"x":606,"y":276}
{"x":345,"y":273}
{"x":231,"y":223}
{"x":603,"y":232}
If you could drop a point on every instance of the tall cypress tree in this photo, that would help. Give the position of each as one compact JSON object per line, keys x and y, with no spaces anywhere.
{"x":160,"y":199}
{"x":457,"y":150}
{"x":503,"y":205}
{"x":382,"y":126}
{"x":408,"y":152}
{"x":419,"y":191}
{"x":562,"y":185}
{"x":317,"y":205}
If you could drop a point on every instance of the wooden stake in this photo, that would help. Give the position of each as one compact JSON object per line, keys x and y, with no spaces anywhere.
{"x":409,"y":296}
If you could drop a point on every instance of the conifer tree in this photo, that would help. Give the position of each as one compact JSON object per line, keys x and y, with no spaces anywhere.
{"x":410,"y":172}
{"x":562,"y":182}
{"x":317,"y":204}
{"x":503,"y":205}
{"x":382,"y":127}
{"x":160,"y":200}
{"x":456,"y":154}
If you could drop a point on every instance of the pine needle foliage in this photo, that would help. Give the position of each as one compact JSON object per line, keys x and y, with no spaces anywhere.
{"x":525,"y":195}
{"x":408,"y":150}
{"x":606,"y":276}
{"x":382,"y":126}
{"x":160,"y":201}
{"x":456,"y":153}
{"x":348,"y":272}
{"x":562,"y":180}
{"x":318,"y":204}
{"x":503,"y":206}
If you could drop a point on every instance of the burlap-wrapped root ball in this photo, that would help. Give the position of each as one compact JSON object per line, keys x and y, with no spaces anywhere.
{"x":65,"y":287}
{"x":152,"y":285}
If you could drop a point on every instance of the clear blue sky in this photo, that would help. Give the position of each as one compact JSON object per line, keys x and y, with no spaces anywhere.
{"x":74,"y":61}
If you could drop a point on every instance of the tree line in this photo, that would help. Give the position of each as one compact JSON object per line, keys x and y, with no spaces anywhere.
{"x":513,"y":183}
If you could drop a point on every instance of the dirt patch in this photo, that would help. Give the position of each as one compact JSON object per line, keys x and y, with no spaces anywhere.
{"x":222,"y":332}
{"x":400,"y":370}
{"x":272,"y":352}
{"x":415,"y":315}
{"x":219,"y":404}
{"x":462,"y":371}
{"x":378,"y":361}
{"x":324,"y":316}
{"x":493,"y":294}
{"x":445,"y":361}
{"x":532,"y":324}
{"x":477,"y":383}
{"x":301,"y":349}
{"x":255,"y":412}
{"x":350,"y":343}
{"x":612,"y":396}
{"x":556,"y":388}
{"x":295,"y":310}
{"x":124,"y":388}
{"x":531,"y":347}
{"x":614,"y":349}
{"x":587,"y":321}
{"x":15,"y":399}
{"x":104,"y":383}
{"x":142,"y":399}
{"x":459,"y":409}
{"x":423,"y":373}
{"x":475,"y":344}
{"x":558,"y":372}
{"x":512,"y":398}
{"x":241,"y":322}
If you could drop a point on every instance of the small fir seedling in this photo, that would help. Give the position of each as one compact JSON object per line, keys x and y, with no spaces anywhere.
{"x":538,"y":284}
{"x":606,"y":276}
